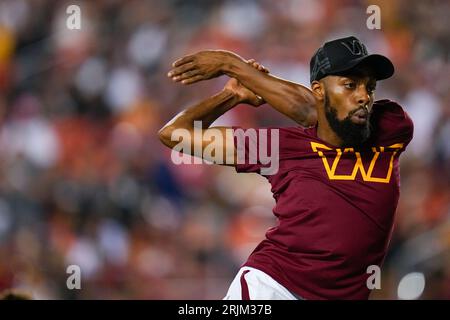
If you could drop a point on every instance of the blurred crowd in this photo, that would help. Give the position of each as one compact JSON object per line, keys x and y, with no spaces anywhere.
{"x":84,"y":179}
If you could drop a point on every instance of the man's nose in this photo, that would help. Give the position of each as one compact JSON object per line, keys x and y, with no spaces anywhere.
{"x":363,"y":96}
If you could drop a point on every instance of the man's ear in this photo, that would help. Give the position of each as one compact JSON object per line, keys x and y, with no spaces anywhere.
{"x":318,"y":90}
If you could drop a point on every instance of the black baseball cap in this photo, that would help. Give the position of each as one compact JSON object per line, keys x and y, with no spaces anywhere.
{"x":340,"y":56}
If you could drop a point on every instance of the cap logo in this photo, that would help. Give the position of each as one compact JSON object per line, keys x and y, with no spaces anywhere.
{"x":320,"y":64}
{"x":355,"y":47}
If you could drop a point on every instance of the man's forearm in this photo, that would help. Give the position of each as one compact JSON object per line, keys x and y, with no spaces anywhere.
{"x":207,"y":111}
{"x":292,"y":99}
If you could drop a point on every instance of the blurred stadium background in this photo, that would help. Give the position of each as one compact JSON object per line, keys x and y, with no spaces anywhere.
{"x":84,"y":179}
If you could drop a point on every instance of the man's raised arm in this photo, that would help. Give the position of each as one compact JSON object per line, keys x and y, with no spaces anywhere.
{"x":195,"y":139}
{"x":293,"y":100}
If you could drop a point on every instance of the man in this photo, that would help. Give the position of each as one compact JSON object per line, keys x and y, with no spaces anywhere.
{"x":337,"y":186}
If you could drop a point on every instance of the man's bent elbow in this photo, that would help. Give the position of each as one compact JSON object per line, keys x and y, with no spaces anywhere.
{"x":165,"y":135}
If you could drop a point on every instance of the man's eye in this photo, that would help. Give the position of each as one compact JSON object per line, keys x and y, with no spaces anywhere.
{"x":349,"y":85}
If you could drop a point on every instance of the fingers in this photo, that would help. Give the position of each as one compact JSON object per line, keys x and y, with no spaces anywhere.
{"x":183,"y":60}
{"x":260,"y":67}
{"x":256,"y":101}
{"x":186,"y":75}
{"x":181,"y":69}
{"x":185,"y":71}
{"x":257,"y":65}
{"x":259,"y":101}
{"x":192,"y":80}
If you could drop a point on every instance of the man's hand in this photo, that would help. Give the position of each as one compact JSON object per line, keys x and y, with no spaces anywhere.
{"x":244,"y":94}
{"x":205,"y":65}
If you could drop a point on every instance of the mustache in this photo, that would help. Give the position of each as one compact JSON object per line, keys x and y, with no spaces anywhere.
{"x":360,"y":109}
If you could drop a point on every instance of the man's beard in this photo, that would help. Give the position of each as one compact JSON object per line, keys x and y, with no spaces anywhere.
{"x":352,"y":134}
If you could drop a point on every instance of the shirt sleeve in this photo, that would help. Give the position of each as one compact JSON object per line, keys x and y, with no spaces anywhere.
{"x":393,"y":124}
{"x":257,"y":150}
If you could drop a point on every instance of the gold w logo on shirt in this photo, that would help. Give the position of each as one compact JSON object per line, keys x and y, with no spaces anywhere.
{"x":366,"y":174}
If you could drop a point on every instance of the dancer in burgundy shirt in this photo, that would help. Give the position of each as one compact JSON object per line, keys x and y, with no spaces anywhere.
{"x":336,"y":180}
